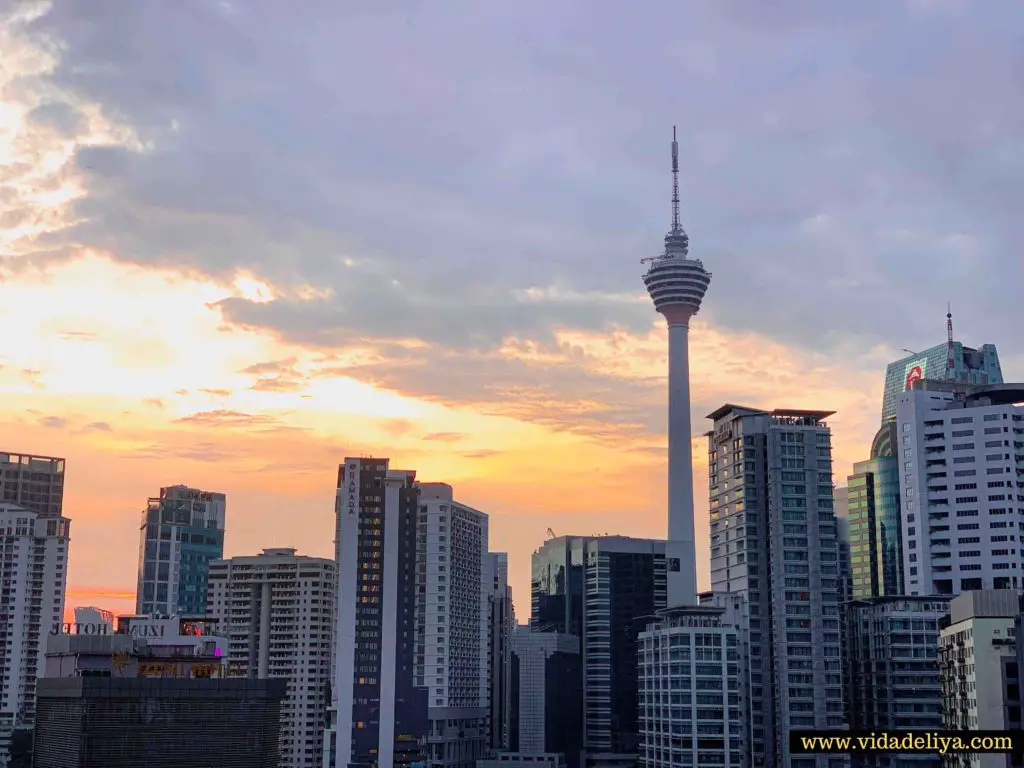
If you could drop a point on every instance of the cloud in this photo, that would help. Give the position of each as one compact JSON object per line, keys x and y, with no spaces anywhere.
{"x":445,"y":437}
{"x":97,"y":426}
{"x":53,"y":422}
{"x":452,"y":225}
{"x":228,"y":419}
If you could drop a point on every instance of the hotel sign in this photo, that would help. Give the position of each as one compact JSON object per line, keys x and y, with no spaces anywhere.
{"x":915,"y":371}
{"x":134,"y":630}
{"x":352,"y":488}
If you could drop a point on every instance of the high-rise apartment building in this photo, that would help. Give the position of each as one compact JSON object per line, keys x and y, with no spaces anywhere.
{"x":893,"y":682}
{"x":380,"y":714}
{"x":961,"y":457}
{"x":978,"y":664}
{"x":546,"y":697}
{"x":970,"y":366}
{"x":33,"y":482}
{"x":690,"y":694}
{"x":597,"y":588}
{"x":33,"y":568}
{"x":774,"y":541}
{"x":502,"y":620}
{"x":453,"y":629}
{"x":181,"y":531}
{"x":276,"y":610}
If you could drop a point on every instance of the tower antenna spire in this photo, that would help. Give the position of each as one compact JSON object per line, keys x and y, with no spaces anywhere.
{"x":676,"y":226}
{"x":949,"y":342}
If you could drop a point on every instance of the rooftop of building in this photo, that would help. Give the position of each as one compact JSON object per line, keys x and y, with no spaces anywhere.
{"x":984,"y":604}
{"x":975,"y":394}
{"x":796,"y":414}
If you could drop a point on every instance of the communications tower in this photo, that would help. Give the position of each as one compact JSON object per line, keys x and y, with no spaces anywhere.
{"x":677,"y":284}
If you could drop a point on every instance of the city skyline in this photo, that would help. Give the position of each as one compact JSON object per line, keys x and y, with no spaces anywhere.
{"x":195,"y":310}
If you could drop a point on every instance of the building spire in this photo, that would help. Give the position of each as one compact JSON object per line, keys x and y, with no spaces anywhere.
{"x":676,"y":226}
{"x":676,"y":241}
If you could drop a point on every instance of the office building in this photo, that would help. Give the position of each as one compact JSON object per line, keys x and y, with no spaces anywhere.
{"x":770,"y":479}
{"x":33,"y":567}
{"x":33,"y":482}
{"x":453,"y":630}
{"x":380,"y":715}
{"x":894,"y":682}
{"x":276,"y":609}
{"x":690,"y":692}
{"x":546,"y":715}
{"x":875,"y":525}
{"x":677,"y":284}
{"x":597,"y":588}
{"x":502,"y":621}
{"x":960,"y":459}
{"x":979,"y":670}
{"x":181,"y":531}
{"x":970,"y":366}
{"x":123,"y":701}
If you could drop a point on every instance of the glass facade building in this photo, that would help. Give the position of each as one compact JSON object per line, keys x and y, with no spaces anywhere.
{"x":876,"y":549}
{"x":599,"y":589}
{"x":970,"y":366}
{"x":182,"y":530}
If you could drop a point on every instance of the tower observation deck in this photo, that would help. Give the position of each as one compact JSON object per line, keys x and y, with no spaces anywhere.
{"x":677,"y":284}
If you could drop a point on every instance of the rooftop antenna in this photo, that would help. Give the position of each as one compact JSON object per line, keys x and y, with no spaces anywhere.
{"x":676,"y":226}
{"x":949,"y":342}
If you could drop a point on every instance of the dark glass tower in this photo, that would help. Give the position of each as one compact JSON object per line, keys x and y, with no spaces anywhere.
{"x":601,"y":589}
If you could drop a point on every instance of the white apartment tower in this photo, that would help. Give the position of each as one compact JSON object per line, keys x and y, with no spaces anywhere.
{"x":453,"y":627}
{"x":690,"y":690}
{"x":961,"y":458}
{"x":978,"y":668}
{"x":774,"y":542}
{"x":677,"y":284}
{"x":276,"y":610}
{"x":33,"y":567}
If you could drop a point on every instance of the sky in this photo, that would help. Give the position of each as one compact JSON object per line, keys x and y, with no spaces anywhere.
{"x":241,"y":241}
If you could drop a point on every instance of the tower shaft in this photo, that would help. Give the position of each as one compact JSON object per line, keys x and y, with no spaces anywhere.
{"x":682,"y":587}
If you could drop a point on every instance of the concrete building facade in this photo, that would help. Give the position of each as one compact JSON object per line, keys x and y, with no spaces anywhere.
{"x":774,"y":541}
{"x":276,"y":610}
{"x":978,"y":665}
{"x":691,"y":711}
{"x":961,"y":458}
{"x":453,"y":631}
{"x":33,"y":569}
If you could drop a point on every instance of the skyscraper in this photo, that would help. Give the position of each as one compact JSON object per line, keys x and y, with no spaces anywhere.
{"x":774,"y":540}
{"x":276,"y":610}
{"x":453,"y":628}
{"x":677,"y":284}
{"x":970,"y":366}
{"x":961,"y":456}
{"x":599,"y":589}
{"x":34,"y":556}
{"x":181,"y":531}
{"x":502,"y":620}
{"x":380,"y":714}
